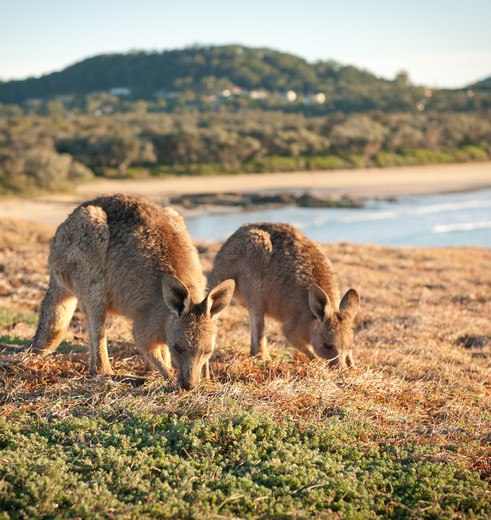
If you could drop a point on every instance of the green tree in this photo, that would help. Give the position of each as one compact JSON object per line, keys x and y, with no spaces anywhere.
{"x":359,"y":133}
{"x":116,"y":150}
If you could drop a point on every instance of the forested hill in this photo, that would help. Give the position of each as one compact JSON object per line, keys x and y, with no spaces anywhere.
{"x":258,"y":76}
{"x":230,"y":77}
{"x":203,"y":70}
{"x":484,"y":83}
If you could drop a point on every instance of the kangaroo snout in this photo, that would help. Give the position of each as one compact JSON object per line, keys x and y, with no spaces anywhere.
{"x":188,"y":384}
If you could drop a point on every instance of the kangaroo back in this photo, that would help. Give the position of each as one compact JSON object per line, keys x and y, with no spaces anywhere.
{"x":282,"y":261}
{"x":146,"y":242}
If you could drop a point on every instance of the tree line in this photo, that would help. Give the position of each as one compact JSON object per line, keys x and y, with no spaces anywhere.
{"x":56,"y":152}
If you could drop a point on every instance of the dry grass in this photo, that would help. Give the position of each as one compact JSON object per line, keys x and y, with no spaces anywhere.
{"x":423,"y":352}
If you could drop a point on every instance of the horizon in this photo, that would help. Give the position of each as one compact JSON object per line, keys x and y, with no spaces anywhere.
{"x":437,"y":43}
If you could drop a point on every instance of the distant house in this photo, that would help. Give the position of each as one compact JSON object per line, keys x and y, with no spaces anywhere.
{"x":165,"y":94}
{"x":290,"y":96}
{"x":120,"y":92}
{"x":67,"y":98}
{"x":319,"y":98}
{"x":32,"y":102}
{"x":257,"y":94}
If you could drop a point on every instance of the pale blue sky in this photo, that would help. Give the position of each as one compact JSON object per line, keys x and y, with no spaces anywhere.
{"x":443,"y":43}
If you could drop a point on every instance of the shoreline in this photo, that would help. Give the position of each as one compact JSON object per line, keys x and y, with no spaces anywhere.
{"x":360,"y":184}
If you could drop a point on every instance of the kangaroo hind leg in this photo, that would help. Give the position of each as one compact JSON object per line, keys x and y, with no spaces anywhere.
{"x":57,"y":309}
{"x":77,"y":264}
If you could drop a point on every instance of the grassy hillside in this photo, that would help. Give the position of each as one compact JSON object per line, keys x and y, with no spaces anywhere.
{"x":404,"y":434}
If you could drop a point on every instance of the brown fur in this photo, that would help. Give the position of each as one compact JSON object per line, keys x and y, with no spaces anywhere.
{"x":123,"y":254}
{"x":281,"y":273}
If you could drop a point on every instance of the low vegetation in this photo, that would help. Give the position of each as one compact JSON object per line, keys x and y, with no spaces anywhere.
{"x":48,"y":153}
{"x":404,"y":434}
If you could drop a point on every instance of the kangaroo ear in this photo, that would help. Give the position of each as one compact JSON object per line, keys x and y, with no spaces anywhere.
{"x":319,"y":302}
{"x":219,"y":298}
{"x":349,"y":304}
{"x":176,"y":295}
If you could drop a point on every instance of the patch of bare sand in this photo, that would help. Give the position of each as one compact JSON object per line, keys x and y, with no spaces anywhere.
{"x":366,"y":183}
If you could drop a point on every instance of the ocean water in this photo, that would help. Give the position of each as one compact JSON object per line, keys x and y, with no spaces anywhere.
{"x":457,"y":219}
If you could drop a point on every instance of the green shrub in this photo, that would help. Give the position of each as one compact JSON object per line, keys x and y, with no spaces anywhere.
{"x":329,"y":162}
{"x":471,"y":153}
{"x":229,"y":464}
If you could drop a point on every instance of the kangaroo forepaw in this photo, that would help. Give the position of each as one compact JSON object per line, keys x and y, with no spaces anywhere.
{"x":262,"y":356}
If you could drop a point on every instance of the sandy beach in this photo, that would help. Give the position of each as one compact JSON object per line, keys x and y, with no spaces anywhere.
{"x":365,"y":183}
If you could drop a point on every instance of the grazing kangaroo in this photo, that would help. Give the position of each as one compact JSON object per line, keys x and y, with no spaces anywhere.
{"x":125,"y":255}
{"x":281,"y":273}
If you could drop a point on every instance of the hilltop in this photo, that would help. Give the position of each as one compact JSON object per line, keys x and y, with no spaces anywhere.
{"x":484,"y":83}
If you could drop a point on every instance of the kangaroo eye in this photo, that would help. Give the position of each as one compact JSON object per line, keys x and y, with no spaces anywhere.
{"x":178,"y":349}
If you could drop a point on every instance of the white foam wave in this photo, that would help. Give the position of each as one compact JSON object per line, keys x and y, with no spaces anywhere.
{"x":375,"y":215}
{"x":468,"y":226}
{"x":397,"y":212}
{"x":451,"y":206}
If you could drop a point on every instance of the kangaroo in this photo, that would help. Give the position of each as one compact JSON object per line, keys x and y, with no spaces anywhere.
{"x":125,"y":255}
{"x":281,"y":273}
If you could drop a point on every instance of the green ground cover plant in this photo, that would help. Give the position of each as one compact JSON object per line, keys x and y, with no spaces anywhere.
{"x":234,"y":463}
